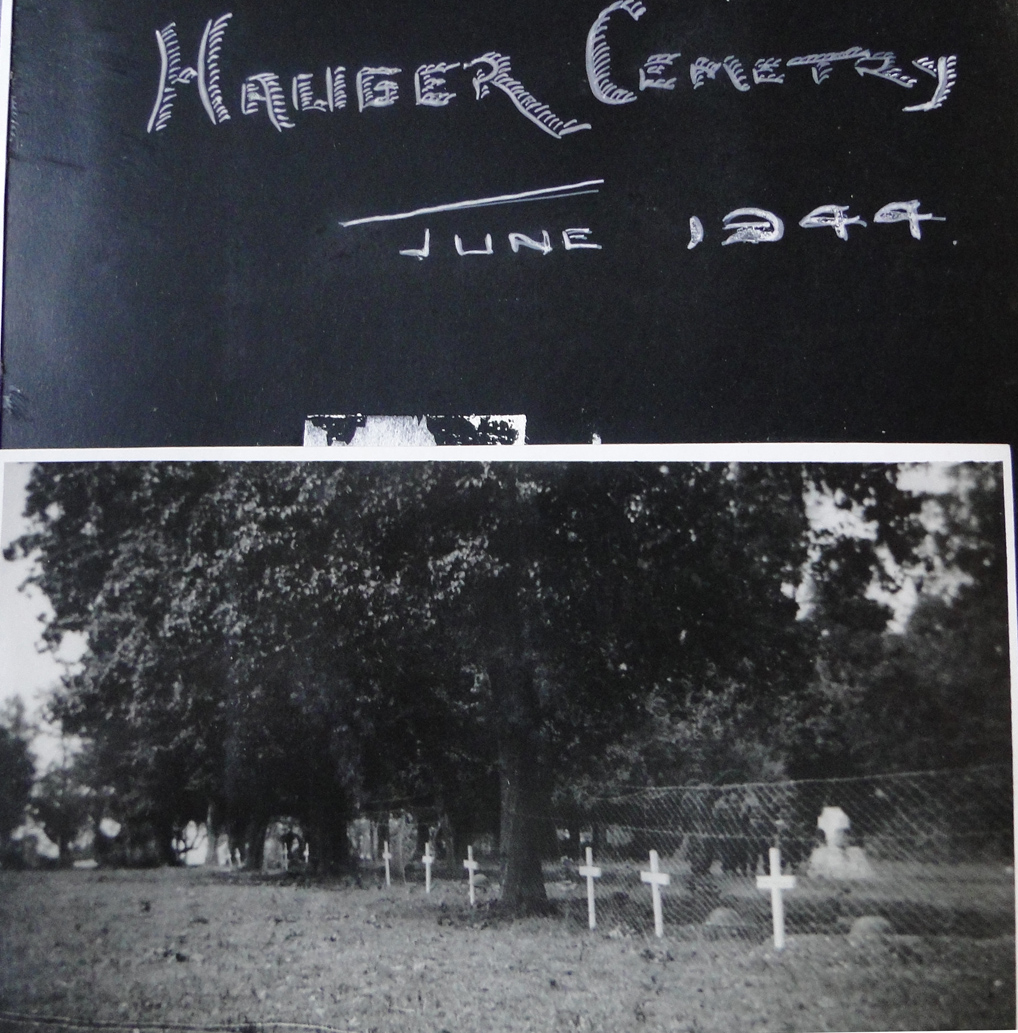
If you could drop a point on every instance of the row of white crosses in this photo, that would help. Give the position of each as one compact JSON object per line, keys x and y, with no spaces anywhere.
{"x":776,"y":883}
{"x":656,"y":879}
{"x":429,"y":860}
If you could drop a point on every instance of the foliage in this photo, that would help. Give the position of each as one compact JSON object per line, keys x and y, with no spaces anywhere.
{"x":17,"y":769}
{"x":935,"y":693}
{"x":62,"y":803}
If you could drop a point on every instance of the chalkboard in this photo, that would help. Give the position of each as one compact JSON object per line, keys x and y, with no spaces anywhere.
{"x":642,"y":219}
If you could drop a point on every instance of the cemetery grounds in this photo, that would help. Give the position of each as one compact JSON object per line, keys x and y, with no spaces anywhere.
{"x":195,"y":948}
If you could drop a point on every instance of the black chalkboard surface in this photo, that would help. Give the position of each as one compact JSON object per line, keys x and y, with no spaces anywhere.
{"x":645,"y":219}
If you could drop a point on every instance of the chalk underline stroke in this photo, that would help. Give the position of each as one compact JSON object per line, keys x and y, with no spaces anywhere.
{"x":588,"y":186}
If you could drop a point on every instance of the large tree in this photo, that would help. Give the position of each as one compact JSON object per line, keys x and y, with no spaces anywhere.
{"x":571,"y":592}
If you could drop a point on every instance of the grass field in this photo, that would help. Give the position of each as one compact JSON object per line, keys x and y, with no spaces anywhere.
{"x":202,"y":948}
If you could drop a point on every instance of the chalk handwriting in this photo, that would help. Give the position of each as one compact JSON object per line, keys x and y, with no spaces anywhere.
{"x":654,"y":68}
{"x":422,"y":252}
{"x":573,"y":239}
{"x":832,"y":215}
{"x":944,"y":70}
{"x":499,"y":75}
{"x":303,"y":96}
{"x":375,"y":89}
{"x":486,"y":250}
{"x":427,"y":79}
{"x":766,"y":70}
{"x":881,"y":64}
{"x":264,"y":88}
{"x":433,"y":82}
{"x":757,"y":226}
{"x":587,"y":186}
{"x":335,"y":87}
{"x":171,"y":75}
{"x":518,"y":240}
{"x":704,"y":67}
{"x":598,"y":56}
{"x":696,"y":233}
{"x":906,"y":211}
{"x":744,"y":226}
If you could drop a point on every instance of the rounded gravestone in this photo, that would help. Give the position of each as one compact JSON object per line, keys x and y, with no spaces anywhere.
{"x":723,"y":921}
{"x":869,"y":928}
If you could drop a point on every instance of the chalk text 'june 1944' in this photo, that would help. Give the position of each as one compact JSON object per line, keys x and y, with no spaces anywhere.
{"x":742,"y":226}
{"x":267,"y":94}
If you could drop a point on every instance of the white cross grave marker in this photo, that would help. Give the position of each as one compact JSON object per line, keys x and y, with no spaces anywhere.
{"x":657,"y":879}
{"x":471,"y":866}
{"x":386,"y":856}
{"x":428,"y":860}
{"x":776,"y":883}
{"x":590,"y":873}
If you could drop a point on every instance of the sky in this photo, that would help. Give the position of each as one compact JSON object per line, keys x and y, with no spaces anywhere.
{"x":25,"y":669}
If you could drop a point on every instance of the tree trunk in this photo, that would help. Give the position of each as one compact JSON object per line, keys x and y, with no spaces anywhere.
{"x":523,"y":820}
{"x":166,"y":851}
{"x":328,"y":841}
{"x":254,"y":839}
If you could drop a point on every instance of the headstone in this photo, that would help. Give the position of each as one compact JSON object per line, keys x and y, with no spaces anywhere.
{"x":834,"y":823}
{"x":869,"y":928}
{"x":725,"y":919}
{"x":273,"y":854}
{"x":656,"y":879}
{"x":402,"y":833}
{"x":835,"y":860}
{"x":471,"y":866}
{"x":590,"y":873}
{"x":776,"y":883}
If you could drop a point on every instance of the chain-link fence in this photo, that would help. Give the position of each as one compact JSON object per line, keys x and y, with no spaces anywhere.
{"x":928,"y":853}
{"x":922,"y":853}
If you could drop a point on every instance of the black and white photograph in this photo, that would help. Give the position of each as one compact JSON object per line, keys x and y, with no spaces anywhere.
{"x":595,"y":739}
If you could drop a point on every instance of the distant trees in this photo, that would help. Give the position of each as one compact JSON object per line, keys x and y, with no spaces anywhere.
{"x":17,"y":771}
{"x":935,"y":694}
{"x":308,"y":638}
{"x":61,"y":806}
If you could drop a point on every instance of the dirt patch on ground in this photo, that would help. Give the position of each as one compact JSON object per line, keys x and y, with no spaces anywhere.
{"x":206,"y":948}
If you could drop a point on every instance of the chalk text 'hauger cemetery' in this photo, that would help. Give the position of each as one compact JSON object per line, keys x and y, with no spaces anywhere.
{"x":435,"y":84}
